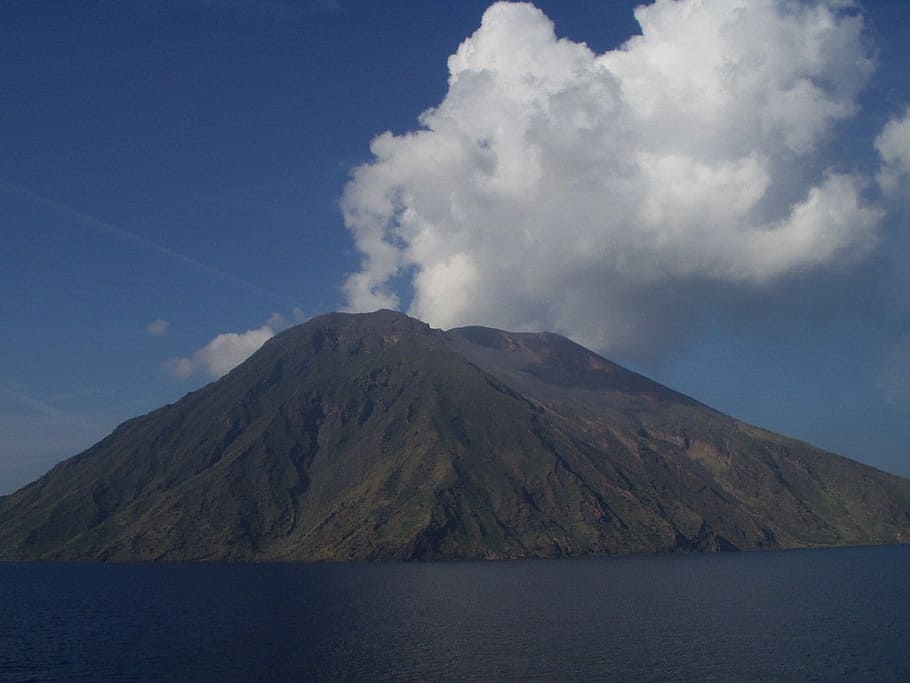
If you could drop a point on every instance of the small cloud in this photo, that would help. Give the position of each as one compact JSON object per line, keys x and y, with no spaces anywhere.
{"x":222,"y":354}
{"x":893,"y":146}
{"x":279,"y":321}
{"x":158,"y":327}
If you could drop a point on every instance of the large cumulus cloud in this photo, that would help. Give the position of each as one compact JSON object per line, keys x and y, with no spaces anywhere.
{"x":608,"y":195}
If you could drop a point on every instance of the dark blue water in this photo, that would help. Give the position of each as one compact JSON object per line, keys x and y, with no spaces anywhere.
{"x":799,"y":615}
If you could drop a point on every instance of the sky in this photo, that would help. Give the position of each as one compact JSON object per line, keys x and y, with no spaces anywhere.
{"x":711,"y":192}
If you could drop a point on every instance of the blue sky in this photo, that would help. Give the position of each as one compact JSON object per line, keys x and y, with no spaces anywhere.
{"x":177,"y":173}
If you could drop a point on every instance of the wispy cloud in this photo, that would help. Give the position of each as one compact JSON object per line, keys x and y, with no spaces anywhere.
{"x":40,"y":407}
{"x":34,"y":442}
{"x":158,"y":327}
{"x":142,"y":243}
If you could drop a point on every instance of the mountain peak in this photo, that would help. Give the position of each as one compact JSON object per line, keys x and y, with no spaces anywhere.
{"x":366,"y":436}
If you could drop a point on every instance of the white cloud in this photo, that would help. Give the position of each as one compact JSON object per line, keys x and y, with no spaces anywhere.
{"x":158,"y":327}
{"x":222,"y":354}
{"x":893,"y":146}
{"x":279,"y":321}
{"x":228,"y":350}
{"x":555,"y":188}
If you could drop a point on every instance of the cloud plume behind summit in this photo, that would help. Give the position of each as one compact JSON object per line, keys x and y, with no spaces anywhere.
{"x":615,"y":197}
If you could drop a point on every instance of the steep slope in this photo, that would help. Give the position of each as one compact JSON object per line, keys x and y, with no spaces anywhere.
{"x":708,"y":473}
{"x":374,"y":436}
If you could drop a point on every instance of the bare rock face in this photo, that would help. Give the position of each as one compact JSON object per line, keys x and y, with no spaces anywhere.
{"x":375,"y":437}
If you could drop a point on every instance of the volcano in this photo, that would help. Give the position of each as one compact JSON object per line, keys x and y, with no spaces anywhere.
{"x":373,"y":436}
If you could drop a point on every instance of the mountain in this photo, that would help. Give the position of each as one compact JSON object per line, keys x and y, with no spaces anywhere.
{"x":374,"y":436}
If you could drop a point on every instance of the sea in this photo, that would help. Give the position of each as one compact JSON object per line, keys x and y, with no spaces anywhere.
{"x":801,"y":615}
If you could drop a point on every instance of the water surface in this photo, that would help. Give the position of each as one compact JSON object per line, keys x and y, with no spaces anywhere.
{"x":800,"y":615}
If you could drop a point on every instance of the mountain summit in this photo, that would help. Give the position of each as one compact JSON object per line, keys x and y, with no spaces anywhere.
{"x":373,"y":436}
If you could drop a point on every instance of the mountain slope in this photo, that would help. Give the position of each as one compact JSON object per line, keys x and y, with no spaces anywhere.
{"x":374,"y":436}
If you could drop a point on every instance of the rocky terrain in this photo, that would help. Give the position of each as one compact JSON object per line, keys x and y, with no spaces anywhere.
{"x":373,"y":436}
